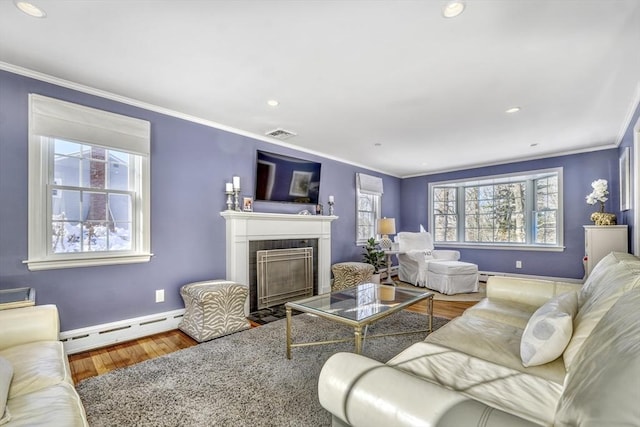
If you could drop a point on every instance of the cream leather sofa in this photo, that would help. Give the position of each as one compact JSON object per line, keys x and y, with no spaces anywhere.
{"x":470,"y":372}
{"x":35,"y":379}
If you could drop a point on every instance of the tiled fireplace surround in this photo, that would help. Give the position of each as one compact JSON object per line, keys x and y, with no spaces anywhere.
{"x":286,"y":231}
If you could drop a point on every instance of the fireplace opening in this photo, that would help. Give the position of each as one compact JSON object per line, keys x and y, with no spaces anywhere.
{"x":284,"y":275}
{"x":281,"y":271}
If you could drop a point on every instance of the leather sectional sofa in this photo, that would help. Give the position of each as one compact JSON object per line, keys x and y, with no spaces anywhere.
{"x":581,"y":345}
{"x":36,"y":387}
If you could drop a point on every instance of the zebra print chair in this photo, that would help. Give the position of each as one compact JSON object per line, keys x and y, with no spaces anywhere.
{"x":348,"y":274}
{"x":213,"y":308}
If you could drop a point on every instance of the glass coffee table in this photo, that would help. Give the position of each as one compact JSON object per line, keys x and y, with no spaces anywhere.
{"x":359,"y":307}
{"x":15,"y":298}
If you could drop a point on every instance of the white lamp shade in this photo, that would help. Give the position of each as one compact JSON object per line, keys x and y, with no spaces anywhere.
{"x":387,"y":226}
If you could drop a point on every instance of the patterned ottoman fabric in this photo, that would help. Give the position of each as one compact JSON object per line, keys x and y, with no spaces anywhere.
{"x":213,"y":308}
{"x":348,"y":274}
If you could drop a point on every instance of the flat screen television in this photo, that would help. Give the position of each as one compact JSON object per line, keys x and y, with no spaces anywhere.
{"x":281,"y":178}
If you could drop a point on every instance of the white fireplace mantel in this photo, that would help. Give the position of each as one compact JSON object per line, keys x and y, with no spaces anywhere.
{"x":243,"y":227}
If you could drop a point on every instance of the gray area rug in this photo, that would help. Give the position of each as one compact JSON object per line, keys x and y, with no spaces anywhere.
{"x":242,"y":379}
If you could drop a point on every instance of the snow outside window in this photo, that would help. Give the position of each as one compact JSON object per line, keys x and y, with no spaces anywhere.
{"x":88,"y":186}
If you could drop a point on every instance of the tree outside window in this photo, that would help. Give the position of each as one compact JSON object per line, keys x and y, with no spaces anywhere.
{"x":511,"y":210}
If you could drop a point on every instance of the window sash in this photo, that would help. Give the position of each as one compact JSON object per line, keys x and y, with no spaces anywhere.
{"x":494,"y":217}
{"x":469,"y":217}
{"x":367,"y":219}
{"x":54,"y":224}
{"x":42,"y":183}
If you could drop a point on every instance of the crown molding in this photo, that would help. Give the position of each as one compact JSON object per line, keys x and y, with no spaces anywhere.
{"x":172,"y":113}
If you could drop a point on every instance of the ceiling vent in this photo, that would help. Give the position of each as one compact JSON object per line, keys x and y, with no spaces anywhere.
{"x":280,"y":134}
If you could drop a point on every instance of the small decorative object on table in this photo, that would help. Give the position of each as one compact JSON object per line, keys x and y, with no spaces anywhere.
{"x":331,"y":203}
{"x":319,"y":209}
{"x":247,"y":204}
{"x":599,"y":194}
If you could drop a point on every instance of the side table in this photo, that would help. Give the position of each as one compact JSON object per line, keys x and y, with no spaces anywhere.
{"x":18,"y":297}
{"x":388,"y":254}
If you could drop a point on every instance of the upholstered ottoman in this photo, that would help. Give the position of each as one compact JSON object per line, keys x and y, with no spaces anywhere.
{"x":348,"y":274}
{"x":213,"y":308}
{"x":452,"y":277}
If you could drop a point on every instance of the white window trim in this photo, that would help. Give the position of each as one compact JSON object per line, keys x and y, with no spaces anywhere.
{"x":106,"y":126}
{"x":558,"y":247}
{"x":369,"y":184}
{"x":376,"y":208}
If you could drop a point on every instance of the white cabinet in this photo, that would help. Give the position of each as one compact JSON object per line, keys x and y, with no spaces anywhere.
{"x":600,"y":240}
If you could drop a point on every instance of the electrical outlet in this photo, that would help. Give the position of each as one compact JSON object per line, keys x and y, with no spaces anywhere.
{"x":518,"y":264}
{"x":159,"y":295}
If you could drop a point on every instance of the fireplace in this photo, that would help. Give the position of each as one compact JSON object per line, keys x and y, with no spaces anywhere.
{"x":247,"y":230}
{"x":283,"y":275}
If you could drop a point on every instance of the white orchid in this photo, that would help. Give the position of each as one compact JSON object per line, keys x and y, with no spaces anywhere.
{"x":599,"y":193}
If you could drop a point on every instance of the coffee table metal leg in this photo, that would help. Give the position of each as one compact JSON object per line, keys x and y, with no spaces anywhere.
{"x":430,"y":304}
{"x":357,"y":331}
{"x":288,"y":310}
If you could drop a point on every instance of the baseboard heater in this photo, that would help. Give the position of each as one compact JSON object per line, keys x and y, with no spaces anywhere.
{"x":483,"y":276}
{"x":97,"y":336}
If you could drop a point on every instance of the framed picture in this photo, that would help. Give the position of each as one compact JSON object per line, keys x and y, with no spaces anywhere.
{"x":247,"y":204}
{"x":625,"y":180}
{"x":300,"y":183}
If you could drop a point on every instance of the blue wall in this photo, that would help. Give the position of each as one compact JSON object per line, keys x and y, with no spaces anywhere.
{"x":190,"y":164}
{"x":579,"y":171}
{"x":189,"y":168}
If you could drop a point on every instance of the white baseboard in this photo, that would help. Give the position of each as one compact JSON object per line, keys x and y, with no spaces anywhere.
{"x":484,"y":275}
{"x":92,"y":337}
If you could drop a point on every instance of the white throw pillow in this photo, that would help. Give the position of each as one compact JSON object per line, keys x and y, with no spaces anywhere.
{"x":549,"y":330}
{"x":6,"y":374}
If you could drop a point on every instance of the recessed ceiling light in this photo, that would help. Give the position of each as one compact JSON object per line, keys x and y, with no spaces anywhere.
{"x":273,"y":103}
{"x":512,"y":110}
{"x":453,"y":8}
{"x":535,"y":144}
{"x":30,"y":9}
{"x":377,"y":144}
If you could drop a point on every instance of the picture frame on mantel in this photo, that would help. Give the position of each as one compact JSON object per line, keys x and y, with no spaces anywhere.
{"x":625,"y":180}
{"x":247,"y":204}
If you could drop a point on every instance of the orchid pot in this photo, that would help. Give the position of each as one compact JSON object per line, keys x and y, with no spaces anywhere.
{"x":599,"y":195}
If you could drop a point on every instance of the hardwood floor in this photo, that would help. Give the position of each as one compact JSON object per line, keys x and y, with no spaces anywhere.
{"x":95,"y":362}
{"x":446,"y":309}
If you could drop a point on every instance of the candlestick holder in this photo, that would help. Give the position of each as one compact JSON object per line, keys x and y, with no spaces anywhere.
{"x":229,"y":199}
{"x":331,"y":208}
{"x":236,"y":199}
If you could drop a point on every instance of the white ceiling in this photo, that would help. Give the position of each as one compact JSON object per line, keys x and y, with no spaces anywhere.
{"x":387,"y":84}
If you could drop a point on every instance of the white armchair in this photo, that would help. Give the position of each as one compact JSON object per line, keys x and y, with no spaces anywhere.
{"x":416,"y":251}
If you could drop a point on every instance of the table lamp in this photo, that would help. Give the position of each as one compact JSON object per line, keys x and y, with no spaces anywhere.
{"x":386,"y":226}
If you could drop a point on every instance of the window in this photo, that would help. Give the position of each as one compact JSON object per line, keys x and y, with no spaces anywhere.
{"x":88,"y":186}
{"x":368,"y":201}
{"x":510,"y":210}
